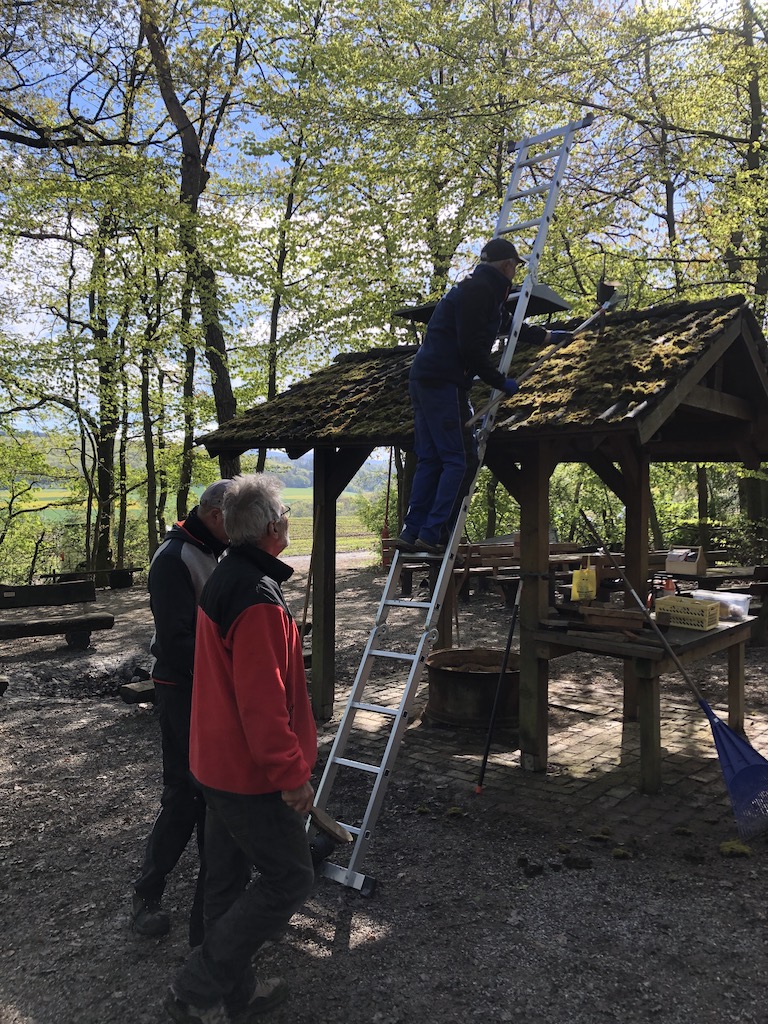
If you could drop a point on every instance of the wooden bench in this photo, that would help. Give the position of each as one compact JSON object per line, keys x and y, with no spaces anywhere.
{"x":494,"y":561}
{"x":76,"y":626}
{"x":116,"y":579}
{"x":478,"y":561}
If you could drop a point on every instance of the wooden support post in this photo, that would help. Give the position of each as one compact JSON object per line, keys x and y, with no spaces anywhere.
{"x":445,"y":619}
{"x":736,"y":687}
{"x":635,"y":470}
{"x":323,"y":681}
{"x":649,"y":702}
{"x":333,"y":469}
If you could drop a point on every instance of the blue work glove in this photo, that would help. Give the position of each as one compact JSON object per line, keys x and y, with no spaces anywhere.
{"x":510,"y":386}
{"x":560,"y":337}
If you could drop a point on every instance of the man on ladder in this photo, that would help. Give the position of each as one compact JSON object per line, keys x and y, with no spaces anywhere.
{"x":457,"y":348}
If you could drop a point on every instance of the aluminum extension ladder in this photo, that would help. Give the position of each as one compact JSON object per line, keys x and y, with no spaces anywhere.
{"x":404,"y":630}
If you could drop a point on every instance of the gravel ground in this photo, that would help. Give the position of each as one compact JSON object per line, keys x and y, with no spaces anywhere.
{"x":477,"y":915}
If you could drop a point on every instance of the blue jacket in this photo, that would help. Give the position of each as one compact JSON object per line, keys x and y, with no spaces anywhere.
{"x":463,"y":329}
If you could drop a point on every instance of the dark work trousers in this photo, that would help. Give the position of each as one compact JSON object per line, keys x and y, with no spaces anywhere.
{"x":182,"y":807}
{"x":240,"y":832}
{"x":446,"y":453}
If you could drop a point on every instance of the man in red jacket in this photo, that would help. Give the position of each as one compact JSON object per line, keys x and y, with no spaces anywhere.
{"x":253,"y":745}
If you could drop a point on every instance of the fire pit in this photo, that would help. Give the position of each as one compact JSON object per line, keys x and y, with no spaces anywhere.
{"x":462,"y":686}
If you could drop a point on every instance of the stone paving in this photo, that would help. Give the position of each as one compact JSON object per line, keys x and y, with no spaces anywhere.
{"x":593,"y":765}
{"x":593,"y":770}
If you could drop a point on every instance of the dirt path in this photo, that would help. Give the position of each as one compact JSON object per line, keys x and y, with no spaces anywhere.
{"x":483,"y":911}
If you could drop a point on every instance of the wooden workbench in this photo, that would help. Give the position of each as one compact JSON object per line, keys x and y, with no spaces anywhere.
{"x":649,"y":662}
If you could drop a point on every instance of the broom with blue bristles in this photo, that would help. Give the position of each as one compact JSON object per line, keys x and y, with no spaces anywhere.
{"x":745,"y":771}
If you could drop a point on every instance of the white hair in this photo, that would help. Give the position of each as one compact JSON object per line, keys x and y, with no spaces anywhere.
{"x":251,"y":503}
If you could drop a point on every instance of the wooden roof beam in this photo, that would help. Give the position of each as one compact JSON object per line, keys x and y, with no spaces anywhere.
{"x":610,"y":474}
{"x":717,"y":402}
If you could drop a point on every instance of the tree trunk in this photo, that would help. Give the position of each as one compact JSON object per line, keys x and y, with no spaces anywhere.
{"x":490,"y":496}
{"x":185,"y":471}
{"x":702,"y":494}
{"x":109,"y":369}
{"x":656,"y":534}
{"x":149,"y":450}
{"x":194,"y":178}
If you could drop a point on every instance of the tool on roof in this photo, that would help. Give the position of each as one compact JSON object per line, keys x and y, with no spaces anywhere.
{"x":745,"y":771}
{"x":613,"y":299}
{"x":379,"y":706}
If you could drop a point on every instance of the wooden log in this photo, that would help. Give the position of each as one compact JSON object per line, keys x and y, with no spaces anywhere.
{"x":47,"y":595}
{"x":140,"y":692}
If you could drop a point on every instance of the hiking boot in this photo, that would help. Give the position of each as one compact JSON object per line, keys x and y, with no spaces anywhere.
{"x":186,"y":1013}
{"x":429,"y":549}
{"x":148,"y":917}
{"x":265,"y":996}
{"x":405,"y":542}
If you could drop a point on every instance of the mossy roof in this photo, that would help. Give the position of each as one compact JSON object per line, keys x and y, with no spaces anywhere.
{"x":682,"y":362}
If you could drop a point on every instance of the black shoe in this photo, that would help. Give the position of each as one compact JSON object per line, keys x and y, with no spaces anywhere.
{"x":148,"y":917}
{"x":430,"y":549}
{"x":321,"y":848}
{"x":186,"y":1013}
{"x":266,"y":996}
{"x":404,"y":543}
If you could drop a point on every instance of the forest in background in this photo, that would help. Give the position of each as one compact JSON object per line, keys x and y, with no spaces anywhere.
{"x":202,"y":202}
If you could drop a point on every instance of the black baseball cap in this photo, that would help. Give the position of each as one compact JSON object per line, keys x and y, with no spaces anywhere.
{"x":499,"y":249}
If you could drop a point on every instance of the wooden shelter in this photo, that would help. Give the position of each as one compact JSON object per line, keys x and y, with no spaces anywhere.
{"x":681,"y":382}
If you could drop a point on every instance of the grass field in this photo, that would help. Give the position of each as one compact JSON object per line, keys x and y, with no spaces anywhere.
{"x":351,"y":534}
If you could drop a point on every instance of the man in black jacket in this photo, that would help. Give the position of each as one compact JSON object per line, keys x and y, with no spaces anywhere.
{"x":457,"y":348}
{"x":180,"y":569}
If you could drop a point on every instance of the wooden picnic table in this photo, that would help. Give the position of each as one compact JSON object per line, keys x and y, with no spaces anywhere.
{"x":642,"y":688}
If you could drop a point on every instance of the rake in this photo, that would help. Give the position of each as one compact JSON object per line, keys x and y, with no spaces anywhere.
{"x":745,"y":771}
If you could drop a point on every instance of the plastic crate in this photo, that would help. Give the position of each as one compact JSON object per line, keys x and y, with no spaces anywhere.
{"x":685,"y":612}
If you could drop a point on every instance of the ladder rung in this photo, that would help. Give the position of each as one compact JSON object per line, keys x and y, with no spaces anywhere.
{"x":540,"y":158}
{"x":522,"y":226}
{"x":377,"y":708}
{"x":537,"y":190}
{"x":373,"y":769}
{"x":393,"y":654}
{"x":399,"y":603}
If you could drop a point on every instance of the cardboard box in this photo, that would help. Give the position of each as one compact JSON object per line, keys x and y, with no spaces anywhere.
{"x":686,"y":562}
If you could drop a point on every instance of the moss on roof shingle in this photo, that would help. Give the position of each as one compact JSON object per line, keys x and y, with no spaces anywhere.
{"x":607,"y":374}
{"x":604,"y":375}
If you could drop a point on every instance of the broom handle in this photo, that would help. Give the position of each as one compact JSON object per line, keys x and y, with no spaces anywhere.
{"x":641,"y":605}
{"x":499,"y":684}
{"x":525,"y":375}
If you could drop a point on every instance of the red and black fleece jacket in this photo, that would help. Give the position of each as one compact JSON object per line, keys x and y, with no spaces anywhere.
{"x":252,"y":729}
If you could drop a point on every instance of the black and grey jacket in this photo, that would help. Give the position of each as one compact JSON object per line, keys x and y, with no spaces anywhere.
{"x":179,"y":570}
{"x":462,"y":331}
